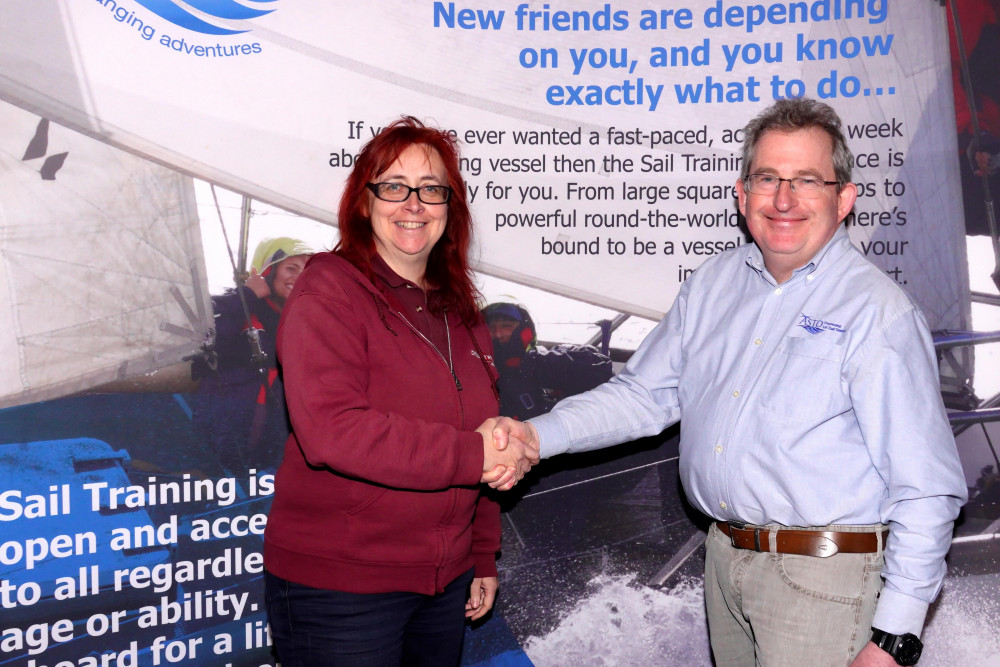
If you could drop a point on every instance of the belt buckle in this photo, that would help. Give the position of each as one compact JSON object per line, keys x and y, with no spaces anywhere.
{"x":740,"y":525}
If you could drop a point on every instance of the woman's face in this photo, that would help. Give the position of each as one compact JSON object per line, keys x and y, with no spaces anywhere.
{"x":406,"y":231}
{"x":286,"y":273}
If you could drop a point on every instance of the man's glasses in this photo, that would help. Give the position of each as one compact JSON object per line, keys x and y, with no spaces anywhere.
{"x":399,"y":192}
{"x":766,"y":184}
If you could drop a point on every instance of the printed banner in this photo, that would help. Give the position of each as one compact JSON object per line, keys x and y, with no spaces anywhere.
{"x":596,"y":135}
{"x":601,"y":144}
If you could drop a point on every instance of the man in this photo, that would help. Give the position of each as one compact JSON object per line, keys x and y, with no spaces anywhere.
{"x":813,"y":430}
{"x":534,"y":378}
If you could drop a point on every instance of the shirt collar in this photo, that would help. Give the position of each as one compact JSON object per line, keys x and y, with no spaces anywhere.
{"x":826,"y":256}
{"x":386,"y":274}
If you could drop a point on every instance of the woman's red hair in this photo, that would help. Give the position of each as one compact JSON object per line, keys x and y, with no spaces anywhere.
{"x":448,"y":264}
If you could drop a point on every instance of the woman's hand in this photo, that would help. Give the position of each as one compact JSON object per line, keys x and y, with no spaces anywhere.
{"x":510,"y":449}
{"x":257,"y":284}
{"x":482,"y":593}
{"x":500,"y":470}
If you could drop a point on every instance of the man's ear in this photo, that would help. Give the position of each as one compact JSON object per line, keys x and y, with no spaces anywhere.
{"x":741,"y":196}
{"x":845,"y":200}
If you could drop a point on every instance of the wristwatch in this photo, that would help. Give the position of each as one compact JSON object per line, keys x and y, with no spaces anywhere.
{"x":904,"y":649}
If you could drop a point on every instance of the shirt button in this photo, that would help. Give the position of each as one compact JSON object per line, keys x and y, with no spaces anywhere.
{"x":810,"y":277}
{"x":757,"y":341}
{"x":409,"y":287}
{"x":777,"y":291}
{"x":736,"y":394}
{"x":718,"y":449}
{"x":723,"y":505}
{"x":420,"y":308}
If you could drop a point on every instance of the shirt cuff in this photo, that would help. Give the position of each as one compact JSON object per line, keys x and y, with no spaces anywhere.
{"x":898,"y":613}
{"x":552,"y":438}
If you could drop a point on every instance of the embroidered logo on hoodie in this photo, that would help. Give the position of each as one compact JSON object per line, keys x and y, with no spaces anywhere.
{"x":814,"y":326}
{"x":487,"y":357}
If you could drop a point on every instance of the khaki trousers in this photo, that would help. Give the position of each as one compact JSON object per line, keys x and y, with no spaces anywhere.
{"x":779,"y":610}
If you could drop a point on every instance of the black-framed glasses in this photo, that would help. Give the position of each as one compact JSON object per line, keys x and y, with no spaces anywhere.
{"x":768,"y":184}
{"x":400,"y":192}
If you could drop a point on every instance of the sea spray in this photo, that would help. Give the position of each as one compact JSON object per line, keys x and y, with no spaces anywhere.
{"x":622,"y":622}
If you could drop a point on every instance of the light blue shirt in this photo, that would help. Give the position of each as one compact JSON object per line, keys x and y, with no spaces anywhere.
{"x":810,"y":403}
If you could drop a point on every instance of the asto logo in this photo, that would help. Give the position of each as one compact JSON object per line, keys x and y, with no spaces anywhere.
{"x":225,"y":10}
{"x":815,"y":326}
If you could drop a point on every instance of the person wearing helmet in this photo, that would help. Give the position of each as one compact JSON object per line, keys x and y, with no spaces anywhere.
{"x":243,"y":416}
{"x":534,"y":378}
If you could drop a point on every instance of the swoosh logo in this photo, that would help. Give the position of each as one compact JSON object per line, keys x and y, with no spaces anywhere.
{"x":220,"y":9}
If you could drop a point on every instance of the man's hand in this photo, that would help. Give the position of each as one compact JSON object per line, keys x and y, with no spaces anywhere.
{"x":873,"y":656}
{"x":506,"y":462}
{"x":482,"y":593}
{"x":499,"y":473}
{"x":506,"y":430}
{"x":522,"y":436}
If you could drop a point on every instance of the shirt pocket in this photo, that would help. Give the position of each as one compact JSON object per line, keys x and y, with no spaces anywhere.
{"x":803,"y":380}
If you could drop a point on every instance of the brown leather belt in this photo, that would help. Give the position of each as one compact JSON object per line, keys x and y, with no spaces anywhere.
{"x":818,"y":543}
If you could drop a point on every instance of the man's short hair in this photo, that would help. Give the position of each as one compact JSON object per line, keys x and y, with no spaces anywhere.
{"x":799,"y":114}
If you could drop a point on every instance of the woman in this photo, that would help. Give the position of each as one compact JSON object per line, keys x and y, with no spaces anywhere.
{"x":242,"y":412}
{"x":379,"y":543}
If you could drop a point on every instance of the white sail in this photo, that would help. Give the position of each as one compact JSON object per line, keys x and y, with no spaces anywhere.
{"x":101,"y":269}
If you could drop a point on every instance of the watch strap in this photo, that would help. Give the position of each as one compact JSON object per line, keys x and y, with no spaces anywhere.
{"x":904,"y":649}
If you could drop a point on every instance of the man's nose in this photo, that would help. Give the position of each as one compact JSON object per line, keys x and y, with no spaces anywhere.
{"x":784,"y":196}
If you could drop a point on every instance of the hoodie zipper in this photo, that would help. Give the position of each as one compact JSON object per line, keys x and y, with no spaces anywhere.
{"x":447,"y":362}
{"x":442,"y":542}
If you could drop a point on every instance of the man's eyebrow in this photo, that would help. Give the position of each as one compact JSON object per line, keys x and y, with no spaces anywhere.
{"x":801,"y":173}
{"x":810,"y":173}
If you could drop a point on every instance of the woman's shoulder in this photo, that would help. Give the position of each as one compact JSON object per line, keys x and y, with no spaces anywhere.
{"x":329,"y":261}
{"x":330,"y":274}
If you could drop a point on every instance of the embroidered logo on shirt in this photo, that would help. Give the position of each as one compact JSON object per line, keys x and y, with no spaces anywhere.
{"x":815,"y":326}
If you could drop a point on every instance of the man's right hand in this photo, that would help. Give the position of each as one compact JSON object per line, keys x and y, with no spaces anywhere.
{"x":508,"y":433}
{"x":506,"y":430}
{"x":506,"y":455}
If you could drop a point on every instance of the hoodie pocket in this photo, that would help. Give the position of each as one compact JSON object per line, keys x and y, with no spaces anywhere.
{"x":365,"y":500}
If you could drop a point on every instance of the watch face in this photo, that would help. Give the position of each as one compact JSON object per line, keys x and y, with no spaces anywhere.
{"x":908,"y":650}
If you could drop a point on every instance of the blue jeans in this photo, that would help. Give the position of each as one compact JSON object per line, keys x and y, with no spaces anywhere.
{"x":784,"y":610}
{"x":313,"y":627}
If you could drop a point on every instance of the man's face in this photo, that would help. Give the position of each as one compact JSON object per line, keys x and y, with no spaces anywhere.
{"x":502,"y":328}
{"x":790,"y":229}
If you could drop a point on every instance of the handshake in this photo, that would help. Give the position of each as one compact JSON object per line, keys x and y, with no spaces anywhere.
{"x":510,"y":448}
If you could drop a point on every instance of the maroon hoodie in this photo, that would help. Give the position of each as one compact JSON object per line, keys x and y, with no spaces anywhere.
{"x":379,"y":488}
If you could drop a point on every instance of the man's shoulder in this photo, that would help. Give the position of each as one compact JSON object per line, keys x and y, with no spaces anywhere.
{"x":861,"y":299}
{"x":856,"y":274}
{"x":727,"y":261}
